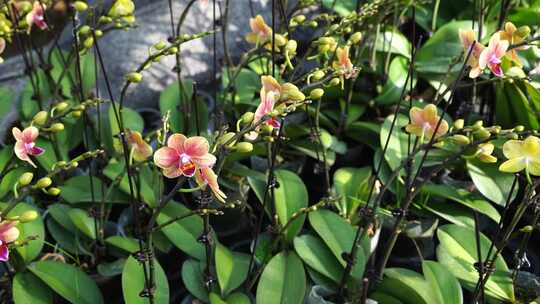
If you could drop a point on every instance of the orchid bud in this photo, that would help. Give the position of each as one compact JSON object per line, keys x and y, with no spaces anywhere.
{"x":247,"y":118}
{"x":98,"y":33}
{"x":134,"y":77}
{"x":88,"y":42}
{"x":105,"y":19}
{"x":280,"y":40}
{"x":313,"y":24}
{"x":482,"y":134}
{"x":459,"y":123}
{"x":326,"y":40}
{"x":26,"y":178}
{"x":57,"y":127}
{"x":53,"y":191}
{"x":478,"y":125}
{"x":519,"y":128}
{"x":24,"y":6}
{"x":267,"y":128}
{"x":28,"y":216}
{"x":80,"y":6}
{"x":244,"y":147}
{"x":160,"y":45}
{"x":316,"y":93}
{"x":512,"y":136}
{"x":334,"y":82}
{"x":291,"y":46}
{"x":300,"y":18}
{"x":84,"y":30}
{"x":61,"y":106}
{"x":173,"y":50}
{"x":523,"y":31}
{"x":291,"y":92}
{"x":40,"y":118}
{"x":461,"y":140}
{"x":317,"y":75}
{"x":356,"y":38}
{"x":43,"y":182}
{"x":225,"y":138}
{"x":527,"y":229}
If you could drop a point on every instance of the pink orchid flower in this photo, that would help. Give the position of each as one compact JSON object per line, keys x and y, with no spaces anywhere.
{"x":491,"y":57}
{"x":207,"y":176}
{"x":268,"y":101}
{"x":344,"y":64}
{"x":468,"y":39}
{"x":37,"y":16}
{"x":25,"y":145}
{"x":8,"y":233}
{"x":260,"y":31}
{"x":183,"y":156}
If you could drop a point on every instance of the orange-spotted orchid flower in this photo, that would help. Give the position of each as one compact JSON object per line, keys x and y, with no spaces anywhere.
{"x":522,"y":154}
{"x":425,"y":121}
{"x":513,"y":37}
{"x":468,"y":40}
{"x":484,"y":153}
{"x":260,"y":31}
{"x":207,"y":176}
{"x":141,"y":149}
{"x":491,"y":56}
{"x":25,"y":144}
{"x":343,"y":63}
{"x":37,"y":16}
{"x":183,"y":156}
{"x":8,"y":233}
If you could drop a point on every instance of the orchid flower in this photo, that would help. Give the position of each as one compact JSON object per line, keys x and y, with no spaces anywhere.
{"x":511,"y":35}
{"x":25,"y":144}
{"x":8,"y":233}
{"x":468,"y":39}
{"x":2,"y":48}
{"x":522,"y":154}
{"x":260,"y":31}
{"x":141,"y":149}
{"x":343,"y":64}
{"x":491,"y":56}
{"x":206,"y":176}
{"x":183,"y":156}
{"x":425,"y":121}
{"x":37,"y":16}
{"x":484,"y":153}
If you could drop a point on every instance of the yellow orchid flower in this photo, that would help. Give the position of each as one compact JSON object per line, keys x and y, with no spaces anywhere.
{"x":511,"y":35}
{"x":424,"y":121}
{"x":522,"y":154}
{"x":484,"y":153}
{"x":260,"y":31}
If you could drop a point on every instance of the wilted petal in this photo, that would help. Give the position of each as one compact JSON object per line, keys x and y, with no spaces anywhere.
{"x":207,"y":176}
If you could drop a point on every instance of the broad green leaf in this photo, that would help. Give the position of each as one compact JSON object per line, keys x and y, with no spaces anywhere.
{"x":127,"y":244}
{"x":352,"y":185}
{"x":283,"y":280}
{"x":68,"y":281}
{"x":6,"y":153}
{"x":8,"y":181}
{"x":290,"y":197}
{"x":448,"y":210}
{"x":231,"y":268}
{"x":133,"y":283}
{"x":247,"y":84}
{"x":392,"y":41}
{"x":513,"y":108}
{"x":192,"y":276}
{"x":111,"y":269}
{"x":174,"y":99}
{"x":235,"y":298}
{"x":342,"y":7}
{"x":381,"y":297}
{"x":463,"y":197}
{"x":339,"y":236}
{"x":48,"y":158}
{"x":83,"y":222}
{"x":77,"y":190}
{"x":316,"y":254}
{"x":397,"y":75}
{"x":28,"y":289}
{"x":492,"y":183}
{"x":406,"y":285}
{"x":458,"y":253}
{"x":116,"y":168}
{"x":131,"y":120}
{"x":444,"y":287}
{"x":185,"y":232}
{"x":34,"y":230}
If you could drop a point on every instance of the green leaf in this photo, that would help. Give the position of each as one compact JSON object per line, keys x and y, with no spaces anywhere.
{"x":352,"y":185}
{"x":172,"y":100}
{"x":192,"y":276}
{"x":235,"y":298}
{"x":397,"y":75}
{"x":8,"y":181}
{"x":290,"y":197}
{"x":392,"y":41}
{"x":77,"y":189}
{"x":231,"y":268}
{"x":34,"y":229}
{"x":458,"y":253}
{"x":111,"y":269}
{"x":68,"y":281}
{"x":463,"y":197}
{"x":185,"y":232}
{"x":316,"y":255}
{"x":512,"y":107}
{"x":448,"y":210}
{"x":339,"y":236}
{"x":342,"y":7}
{"x":115,"y":168}
{"x":283,"y":280}
{"x":133,"y":283}
{"x":492,"y":183}
{"x":406,"y":285}
{"x":247,"y":84}
{"x":83,"y":222}
{"x":131,"y":119}
{"x":27,"y":288}
{"x":444,"y":286}
{"x":127,"y":244}
{"x":48,"y":158}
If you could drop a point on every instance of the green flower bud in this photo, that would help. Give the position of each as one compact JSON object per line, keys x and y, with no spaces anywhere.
{"x":244,"y":147}
{"x":26,"y":178}
{"x":61,"y":106}
{"x":317,"y":75}
{"x":80,"y":6}
{"x":300,"y":18}
{"x":247,"y":118}
{"x":291,"y":46}
{"x":523,"y":31}
{"x":459,"y":123}
{"x":280,"y":40}
{"x":512,"y":136}
{"x":99,"y":33}
{"x":43,"y":182}
{"x":316,"y":93}
{"x":496,"y":129}
{"x":84,"y":30}
{"x":24,"y":6}
{"x":173,"y":50}
{"x":226,"y":137}
{"x":313,"y":24}
{"x":88,"y":42}
{"x":527,"y":229}
{"x":105,"y":19}
{"x":482,"y":134}
{"x":461,"y":140}
{"x":53,"y":191}
{"x":356,"y":38}
{"x":478,"y":125}
{"x":76,"y":114}
{"x":334,"y":27}
{"x":40,"y":118}
{"x":160,"y":45}
{"x":519,"y":128}
{"x":326,"y":40}
{"x":57,"y":127}
{"x":267,"y":128}
{"x":348,"y":29}
{"x":334,"y":82}
{"x":28,"y":216}
{"x":134,"y":77}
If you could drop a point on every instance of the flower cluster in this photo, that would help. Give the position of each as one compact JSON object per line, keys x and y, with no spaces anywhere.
{"x":502,"y":44}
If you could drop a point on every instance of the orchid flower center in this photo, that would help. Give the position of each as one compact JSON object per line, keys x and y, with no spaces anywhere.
{"x":494,"y":59}
{"x":29,"y":147}
{"x":187,"y":165}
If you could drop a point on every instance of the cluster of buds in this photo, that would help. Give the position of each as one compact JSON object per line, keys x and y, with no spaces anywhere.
{"x":6,"y":31}
{"x":121,"y":14}
{"x":85,"y":35}
{"x":9,"y":233}
{"x":227,"y":139}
